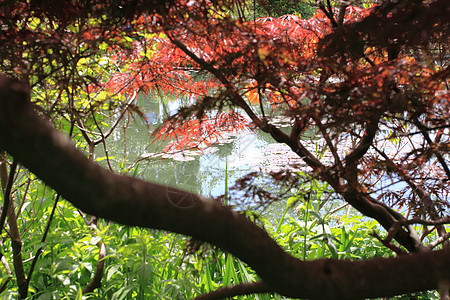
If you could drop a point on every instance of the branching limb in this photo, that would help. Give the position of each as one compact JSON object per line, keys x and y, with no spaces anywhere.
{"x":342,"y":10}
{"x":440,"y":240}
{"x":386,"y":216}
{"x":365,"y":143}
{"x":418,"y":189}
{"x":328,"y":11}
{"x":425,"y":222}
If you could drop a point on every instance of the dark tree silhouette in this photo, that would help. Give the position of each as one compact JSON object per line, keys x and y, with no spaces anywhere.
{"x":366,"y":76}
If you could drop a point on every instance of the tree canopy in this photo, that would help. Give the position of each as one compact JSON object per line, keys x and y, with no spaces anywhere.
{"x":371,"y":82}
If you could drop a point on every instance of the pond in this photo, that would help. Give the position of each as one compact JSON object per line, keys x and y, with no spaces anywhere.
{"x":206,"y":172}
{"x":203,"y":172}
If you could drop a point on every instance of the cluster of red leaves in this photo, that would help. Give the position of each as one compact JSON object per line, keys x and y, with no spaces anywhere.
{"x":315,"y":71}
{"x":346,"y":72}
{"x":281,"y":49}
{"x":200,"y":133}
{"x":156,"y":65}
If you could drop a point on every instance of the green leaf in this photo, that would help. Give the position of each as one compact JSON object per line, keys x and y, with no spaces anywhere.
{"x":95,"y":240}
{"x":229,"y":270}
{"x":145,"y":272}
{"x":113,"y":270}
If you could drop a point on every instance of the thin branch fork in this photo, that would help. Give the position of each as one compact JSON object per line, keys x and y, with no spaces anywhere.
{"x":419,"y":190}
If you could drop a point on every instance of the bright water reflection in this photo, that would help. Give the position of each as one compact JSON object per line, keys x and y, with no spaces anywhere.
{"x":203,"y":174}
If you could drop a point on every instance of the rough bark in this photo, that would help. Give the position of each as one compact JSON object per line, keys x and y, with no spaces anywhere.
{"x":130,"y":201}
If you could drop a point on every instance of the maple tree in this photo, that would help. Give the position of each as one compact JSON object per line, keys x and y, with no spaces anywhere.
{"x":377,"y":97}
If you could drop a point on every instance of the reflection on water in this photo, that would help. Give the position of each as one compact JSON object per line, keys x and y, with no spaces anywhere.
{"x":201,"y":172}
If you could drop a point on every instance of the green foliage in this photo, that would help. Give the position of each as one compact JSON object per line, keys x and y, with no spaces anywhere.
{"x":278,"y":8}
{"x":151,"y":264}
{"x":308,"y":231}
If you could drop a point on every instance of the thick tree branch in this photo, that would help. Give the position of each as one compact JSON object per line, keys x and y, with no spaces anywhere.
{"x":385,"y":216}
{"x":130,"y":201}
{"x":237,"y":290}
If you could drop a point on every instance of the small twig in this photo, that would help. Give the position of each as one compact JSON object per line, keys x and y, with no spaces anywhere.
{"x":338,"y":208}
{"x":330,"y":145}
{"x":116,"y":122}
{"x":44,"y":236}
{"x":7,"y":195}
{"x":19,"y":210}
{"x":425,"y":222}
{"x":103,"y":140}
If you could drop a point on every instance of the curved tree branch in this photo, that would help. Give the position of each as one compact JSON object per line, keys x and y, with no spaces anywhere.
{"x":365,"y":143}
{"x":130,"y":201}
{"x":237,"y":290}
